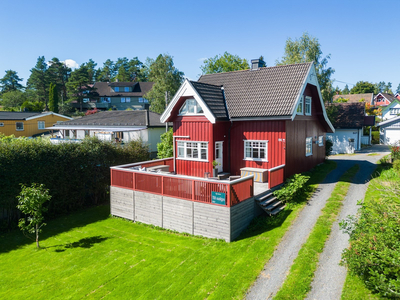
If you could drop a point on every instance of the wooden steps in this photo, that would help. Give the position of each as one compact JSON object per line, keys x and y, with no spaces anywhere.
{"x":269,"y":203}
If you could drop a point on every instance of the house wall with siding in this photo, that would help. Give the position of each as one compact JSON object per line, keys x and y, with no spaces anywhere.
{"x":30,"y":126}
{"x":212,"y":221}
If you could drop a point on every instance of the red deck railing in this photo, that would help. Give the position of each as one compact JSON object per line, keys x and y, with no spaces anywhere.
{"x":188,"y":188}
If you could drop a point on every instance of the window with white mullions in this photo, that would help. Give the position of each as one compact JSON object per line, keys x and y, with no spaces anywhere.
{"x":308,"y":146}
{"x":255,"y":150}
{"x":192,"y":150}
{"x":308,"y":106}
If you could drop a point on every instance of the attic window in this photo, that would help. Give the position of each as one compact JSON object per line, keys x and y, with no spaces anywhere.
{"x":126,"y":89}
{"x":190,"y":107}
{"x":300,"y":106}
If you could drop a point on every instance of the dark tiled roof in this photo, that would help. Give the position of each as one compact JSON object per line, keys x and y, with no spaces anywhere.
{"x":103,"y":89}
{"x":369,"y":120}
{"x":213,"y":97}
{"x":368,"y":97}
{"x":349,"y":115}
{"x":390,"y":97}
{"x":265,"y":92}
{"x":12,"y":115}
{"x":118,"y":118}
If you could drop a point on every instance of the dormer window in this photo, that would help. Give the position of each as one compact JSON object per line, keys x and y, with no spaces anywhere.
{"x":190,"y":107}
{"x":116,"y":89}
{"x":126,"y":89}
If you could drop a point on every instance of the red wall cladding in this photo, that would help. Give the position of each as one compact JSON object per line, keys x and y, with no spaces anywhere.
{"x":271,"y":131}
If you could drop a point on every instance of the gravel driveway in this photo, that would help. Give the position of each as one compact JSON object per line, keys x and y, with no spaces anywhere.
{"x":329,"y":275}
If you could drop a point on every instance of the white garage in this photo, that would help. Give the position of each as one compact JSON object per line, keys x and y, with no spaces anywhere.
{"x":390,"y":131}
{"x":345,"y":140}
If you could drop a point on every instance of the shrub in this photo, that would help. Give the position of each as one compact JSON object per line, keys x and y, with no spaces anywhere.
{"x":396,"y":165}
{"x":292,"y":187}
{"x":374,"y":251}
{"x":328,"y":147}
{"x":395,"y":152}
{"x":375,"y":137}
{"x":76,"y":174}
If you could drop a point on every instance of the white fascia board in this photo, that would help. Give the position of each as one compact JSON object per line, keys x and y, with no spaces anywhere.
{"x":311,"y":78}
{"x":47,"y":114}
{"x":393,"y":120}
{"x":185,"y":90}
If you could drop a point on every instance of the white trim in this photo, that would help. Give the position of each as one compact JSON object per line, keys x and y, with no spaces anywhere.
{"x":44,"y":124}
{"x":392,"y":120}
{"x":199,"y":148}
{"x":307,"y":79}
{"x":276,"y":168}
{"x":187,"y":89}
{"x":301,"y":101}
{"x":23,"y":126}
{"x":47,"y":114}
{"x":320,"y":136}
{"x":255,"y":159}
{"x":305,"y":105}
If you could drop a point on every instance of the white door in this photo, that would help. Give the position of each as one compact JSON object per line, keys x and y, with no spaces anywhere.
{"x":218,"y":155}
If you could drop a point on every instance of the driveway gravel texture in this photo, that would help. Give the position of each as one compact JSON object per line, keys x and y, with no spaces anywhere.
{"x":329,"y":277}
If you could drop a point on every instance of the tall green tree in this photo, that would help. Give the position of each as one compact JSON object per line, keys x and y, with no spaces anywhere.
{"x":137,"y":70}
{"x":59,"y":74}
{"x":307,"y":49}
{"x":346,"y":90}
{"x":122,"y":75}
{"x":10,"y":82}
{"x":91,"y":65}
{"x":79,"y":85}
{"x":40,"y":80}
{"x":380,"y":87}
{"x":398,"y":89}
{"x":30,"y":203}
{"x":166,"y":78}
{"x":107,"y":72}
{"x":363,"y":87}
{"x":53,"y":98}
{"x":13,"y":99}
{"x":224,"y":63}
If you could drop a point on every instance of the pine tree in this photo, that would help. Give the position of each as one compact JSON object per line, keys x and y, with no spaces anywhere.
{"x":53,"y":98}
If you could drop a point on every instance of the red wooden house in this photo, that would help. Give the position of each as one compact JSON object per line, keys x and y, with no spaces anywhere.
{"x":263,"y":124}
{"x":384,"y":99}
{"x":272,"y":119}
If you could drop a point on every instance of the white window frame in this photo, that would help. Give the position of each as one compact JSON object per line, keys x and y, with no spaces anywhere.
{"x":1,"y":124}
{"x":126,"y":89}
{"x":43,"y":123}
{"x":300,"y":106}
{"x":16,"y":126}
{"x":308,"y":146}
{"x":248,"y":144}
{"x":196,"y":108}
{"x":199,"y":147}
{"x":141,"y":100}
{"x":307,"y":106}
{"x":128,"y":99}
{"x":321,"y":140}
{"x":116,"y":89}
{"x":123,"y":100}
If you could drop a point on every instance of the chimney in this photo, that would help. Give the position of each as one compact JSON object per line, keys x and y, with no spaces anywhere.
{"x":257,"y":63}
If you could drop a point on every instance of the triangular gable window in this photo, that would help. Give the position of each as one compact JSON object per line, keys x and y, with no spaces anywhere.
{"x":190,"y":107}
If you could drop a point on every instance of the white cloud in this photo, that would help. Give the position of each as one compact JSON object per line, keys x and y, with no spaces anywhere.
{"x":202,"y":59}
{"x":71,"y":63}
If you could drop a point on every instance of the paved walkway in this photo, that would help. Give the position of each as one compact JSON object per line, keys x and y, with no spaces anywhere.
{"x":275,"y":271}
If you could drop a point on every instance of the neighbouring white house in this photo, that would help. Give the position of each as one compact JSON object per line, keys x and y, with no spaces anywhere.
{"x":349,"y":121}
{"x":391,"y":111}
{"x":118,"y":126}
{"x":389,"y":131}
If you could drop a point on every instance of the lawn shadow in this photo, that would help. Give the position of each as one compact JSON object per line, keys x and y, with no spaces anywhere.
{"x":264,"y":223}
{"x":87,"y":243}
{"x":15,"y":239}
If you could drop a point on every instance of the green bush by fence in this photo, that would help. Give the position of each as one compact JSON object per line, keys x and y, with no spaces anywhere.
{"x":77,"y":174}
{"x":375,"y":137}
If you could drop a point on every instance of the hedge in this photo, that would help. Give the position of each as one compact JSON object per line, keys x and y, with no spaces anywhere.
{"x":77,"y":174}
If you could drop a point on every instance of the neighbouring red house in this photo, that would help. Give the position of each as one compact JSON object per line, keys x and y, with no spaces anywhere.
{"x":265,"y":123}
{"x":383,"y":99}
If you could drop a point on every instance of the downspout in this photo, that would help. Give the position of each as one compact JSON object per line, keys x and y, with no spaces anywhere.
{"x":173,"y":148}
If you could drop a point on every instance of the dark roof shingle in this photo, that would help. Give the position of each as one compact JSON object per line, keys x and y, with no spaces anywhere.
{"x":265,"y":92}
{"x":214,"y":98}
{"x":349,"y":115}
{"x":14,"y":115}
{"x":103,"y":89}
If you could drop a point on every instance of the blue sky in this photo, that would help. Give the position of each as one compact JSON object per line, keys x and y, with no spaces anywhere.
{"x":362,"y":37}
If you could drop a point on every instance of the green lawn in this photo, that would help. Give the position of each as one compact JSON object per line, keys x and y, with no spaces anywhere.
{"x":89,"y":254}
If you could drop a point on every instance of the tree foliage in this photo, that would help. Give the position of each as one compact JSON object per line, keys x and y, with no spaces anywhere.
{"x":166,"y":78}
{"x":53,"y":98}
{"x":346,"y":90}
{"x":13,"y":99}
{"x":307,"y":49}
{"x":165,"y":148}
{"x":362,"y":87}
{"x":39,"y":80}
{"x":30,"y":203}
{"x":10,"y":82}
{"x":59,"y":74}
{"x":79,"y":85}
{"x":224,"y":63}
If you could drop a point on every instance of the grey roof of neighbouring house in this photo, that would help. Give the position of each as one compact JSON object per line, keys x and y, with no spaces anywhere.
{"x":103,"y":89}
{"x":214,"y":98}
{"x":265,"y":92}
{"x":117,"y":118}
{"x":349,"y":115}
{"x":14,"y":115}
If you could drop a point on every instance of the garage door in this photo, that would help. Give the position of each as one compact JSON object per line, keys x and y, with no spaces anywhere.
{"x":343,"y":141}
{"x":392,"y":136}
